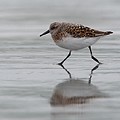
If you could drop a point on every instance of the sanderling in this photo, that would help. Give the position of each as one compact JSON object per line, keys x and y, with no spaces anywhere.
{"x":74,"y":37}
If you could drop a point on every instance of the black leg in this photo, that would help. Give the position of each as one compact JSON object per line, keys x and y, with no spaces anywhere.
{"x":95,"y":59}
{"x":65,"y":58}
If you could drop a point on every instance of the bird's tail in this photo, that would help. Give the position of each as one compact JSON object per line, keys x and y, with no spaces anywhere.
{"x":108,"y":33}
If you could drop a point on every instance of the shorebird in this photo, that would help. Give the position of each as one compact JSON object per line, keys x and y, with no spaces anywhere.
{"x":74,"y":37}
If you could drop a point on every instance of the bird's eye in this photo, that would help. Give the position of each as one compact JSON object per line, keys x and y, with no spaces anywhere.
{"x":52,"y":28}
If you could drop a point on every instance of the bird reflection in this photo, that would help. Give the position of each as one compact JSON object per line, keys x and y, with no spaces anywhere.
{"x":75,"y":91}
{"x":70,"y":76}
{"x":91,"y":72}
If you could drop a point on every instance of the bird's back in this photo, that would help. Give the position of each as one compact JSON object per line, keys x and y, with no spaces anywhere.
{"x":79,"y":31}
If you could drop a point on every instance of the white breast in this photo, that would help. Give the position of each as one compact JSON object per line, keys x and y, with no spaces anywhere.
{"x":76,"y":43}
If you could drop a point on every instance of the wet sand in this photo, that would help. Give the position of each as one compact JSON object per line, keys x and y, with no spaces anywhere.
{"x":33,"y":86}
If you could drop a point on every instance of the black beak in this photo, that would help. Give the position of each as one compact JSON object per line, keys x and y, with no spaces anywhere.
{"x":45,"y":33}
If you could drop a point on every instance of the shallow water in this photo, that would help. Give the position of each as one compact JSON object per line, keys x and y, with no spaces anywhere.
{"x":30,"y":78}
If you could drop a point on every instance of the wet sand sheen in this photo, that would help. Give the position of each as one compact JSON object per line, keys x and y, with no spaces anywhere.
{"x":30,"y":81}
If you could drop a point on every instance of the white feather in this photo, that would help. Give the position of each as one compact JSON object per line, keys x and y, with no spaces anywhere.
{"x":76,"y":43}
